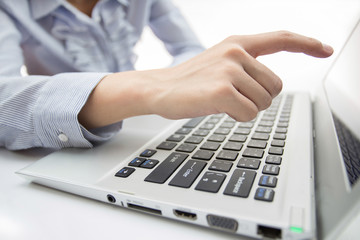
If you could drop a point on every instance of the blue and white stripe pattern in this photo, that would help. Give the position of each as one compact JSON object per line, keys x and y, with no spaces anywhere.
{"x":67,"y":54}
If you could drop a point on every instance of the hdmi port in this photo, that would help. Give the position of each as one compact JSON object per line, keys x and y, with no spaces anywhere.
{"x":183,"y":214}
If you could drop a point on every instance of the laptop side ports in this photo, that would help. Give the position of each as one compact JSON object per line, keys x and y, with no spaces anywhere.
{"x":184,"y":214}
{"x":269,"y":232}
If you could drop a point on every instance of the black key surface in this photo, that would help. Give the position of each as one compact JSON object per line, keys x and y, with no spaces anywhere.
{"x":220,"y":165}
{"x":265,"y":194}
{"x":193,"y":122}
{"x":211,"y":182}
{"x":216,"y":138}
{"x":125,"y":172}
{"x":213,"y":146}
{"x":243,"y":131}
{"x":194,"y":139}
{"x":249,"y":163}
{"x":203,"y":155}
{"x":185,"y":147}
{"x":188,"y":174}
{"x":272,"y":159}
{"x":238,"y":138}
{"x":227,"y":155}
{"x":257,"y":144}
{"x":166,"y":168}
{"x":276,"y":150}
{"x":166,"y":145}
{"x":253,"y":152}
{"x":268,"y":181}
{"x":150,"y":163}
{"x":148,"y":153}
{"x":136,"y":162}
{"x":271,"y":169}
{"x":175,"y":138}
{"x":240,"y":183}
{"x":260,"y":136}
{"x":234,"y":146}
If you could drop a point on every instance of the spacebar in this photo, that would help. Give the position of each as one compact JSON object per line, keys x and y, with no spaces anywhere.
{"x":166,"y":168}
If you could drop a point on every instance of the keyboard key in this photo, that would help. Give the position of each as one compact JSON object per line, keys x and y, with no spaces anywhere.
{"x":216,"y":138}
{"x":240,"y":183}
{"x":207,"y":126}
{"x":166,"y":168}
{"x":136,"y":162}
{"x":238,"y":138}
{"x":150,"y":163}
{"x":268,"y":181}
{"x":166,"y":145}
{"x":222,"y":131}
{"x":263,"y":129}
{"x":278,"y":143}
{"x":243,"y":131}
{"x":260,"y":136}
{"x":148,"y":153}
{"x":253,"y":152}
{"x":194,"y":140}
{"x":264,"y":194}
{"x":203,"y":155}
{"x":213,"y":146}
{"x":185,"y":147}
{"x":266,"y":123}
{"x":279,"y":136}
{"x":193,"y":122}
{"x":220,"y":165}
{"x":249,"y":163}
{"x":211,"y":182}
{"x":257,"y":144}
{"x":188,"y":174}
{"x":283,"y":124}
{"x":183,"y":131}
{"x":227,"y":125}
{"x":281,"y":130}
{"x":271,"y":159}
{"x":227,"y":155}
{"x":271,"y":169}
{"x":125,"y":172}
{"x":246,"y":124}
{"x":175,"y":138}
{"x":276,"y":150}
{"x":234,"y":146}
{"x":201,"y":133}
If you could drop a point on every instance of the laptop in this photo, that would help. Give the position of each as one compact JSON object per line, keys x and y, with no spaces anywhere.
{"x":291,"y":173}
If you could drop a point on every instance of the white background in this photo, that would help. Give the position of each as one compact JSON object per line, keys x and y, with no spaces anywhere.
{"x":29,"y":211}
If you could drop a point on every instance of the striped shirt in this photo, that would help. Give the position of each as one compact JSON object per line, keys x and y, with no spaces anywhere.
{"x":66,"y":54}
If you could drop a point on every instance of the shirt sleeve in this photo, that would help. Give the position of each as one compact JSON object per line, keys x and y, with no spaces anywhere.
{"x":170,"y":26}
{"x":41,"y":111}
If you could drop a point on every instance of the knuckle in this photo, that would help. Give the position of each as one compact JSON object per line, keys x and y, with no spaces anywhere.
{"x":232,"y":39}
{"x":234,"y":51}
{"x":266,"y":102}
{"x":284,"y":34}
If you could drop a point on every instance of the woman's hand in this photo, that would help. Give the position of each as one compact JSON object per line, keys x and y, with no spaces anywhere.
{"x":225,"y":78}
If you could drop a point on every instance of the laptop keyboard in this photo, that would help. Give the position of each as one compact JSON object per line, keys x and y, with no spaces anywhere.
{"x":350,"y":148}
{"x":215,"y":148}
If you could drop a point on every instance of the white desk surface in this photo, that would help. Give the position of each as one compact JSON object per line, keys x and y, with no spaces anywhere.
{"x":29,"y":211}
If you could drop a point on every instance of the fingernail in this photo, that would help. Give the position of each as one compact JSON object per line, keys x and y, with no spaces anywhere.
{"x":328,"y":48}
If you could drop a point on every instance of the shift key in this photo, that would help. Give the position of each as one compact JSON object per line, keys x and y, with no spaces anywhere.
{"x":166,"y":168}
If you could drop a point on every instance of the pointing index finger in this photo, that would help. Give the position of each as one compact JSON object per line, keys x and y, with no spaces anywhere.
{"x":268,"y":43}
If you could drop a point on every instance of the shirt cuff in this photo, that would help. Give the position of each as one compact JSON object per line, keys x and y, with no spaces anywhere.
{"x":57,"y":109}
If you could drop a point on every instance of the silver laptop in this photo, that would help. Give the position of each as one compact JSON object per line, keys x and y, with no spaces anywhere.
{"x":292,"y":173}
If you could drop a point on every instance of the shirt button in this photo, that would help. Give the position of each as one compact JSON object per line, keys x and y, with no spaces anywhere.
{"x":63,"y":137}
